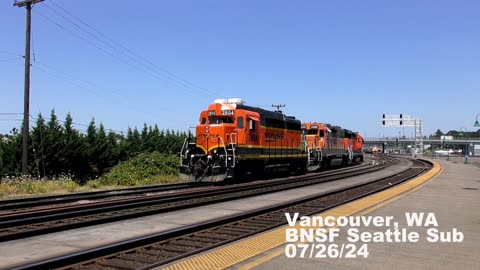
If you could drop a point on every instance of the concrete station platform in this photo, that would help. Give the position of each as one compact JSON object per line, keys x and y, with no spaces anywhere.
{"x":17,"y":252}
{"x":453,"y":195}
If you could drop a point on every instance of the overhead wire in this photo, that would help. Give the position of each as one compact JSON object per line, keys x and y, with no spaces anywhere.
{"x":124,"y":54}
{"x":75,"y":123}
{"x":11,"y":53}
{"x":70,"y":79}
{"x":141,"y":69}
{"x":63,"y":79}
{"x":10,"y":59}
{"x":99,"y":48}
{"x":11,"y":119}
{"x":132,"y":52}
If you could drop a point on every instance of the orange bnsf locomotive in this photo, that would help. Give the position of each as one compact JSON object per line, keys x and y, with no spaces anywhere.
{"x":234,"y":140}
{"x":329,"y":146}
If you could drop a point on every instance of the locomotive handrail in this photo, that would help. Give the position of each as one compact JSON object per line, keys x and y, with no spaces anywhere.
{"x":350,"y":152}
{"x":232,"y":141}
{"x":226,"y":152}
{"x":233,"y":147}
{"x":181,"y":152}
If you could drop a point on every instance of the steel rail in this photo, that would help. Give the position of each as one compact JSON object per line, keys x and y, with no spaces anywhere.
{"x":33,"y":224}
{"x":161,"y":248}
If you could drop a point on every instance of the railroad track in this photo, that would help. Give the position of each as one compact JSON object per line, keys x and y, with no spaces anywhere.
{"x":22,"y":204}
{"x":35,"y":203}
{"x":162,"y":248}
{"x":31,"y":223}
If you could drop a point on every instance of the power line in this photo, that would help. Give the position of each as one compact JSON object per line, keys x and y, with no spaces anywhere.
{"x":171,"y":82}
{"x":122,"y":52}
{"x":63,"y":79}
{"x":70,"y":80}
{"x":131,"y":52}
{"x":64,"y":73}
{"x":10,"y":59}
{"x":77,"y":124}
{"x":11,"y":53}
{"x":76,"y":85}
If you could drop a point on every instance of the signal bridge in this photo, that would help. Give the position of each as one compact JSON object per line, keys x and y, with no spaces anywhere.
{"x":471,"y":146}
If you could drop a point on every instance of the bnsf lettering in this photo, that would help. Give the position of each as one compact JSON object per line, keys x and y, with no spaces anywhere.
{"x":204,"y":135}
{"x":210,"y":113}
{"x":276,"y":136}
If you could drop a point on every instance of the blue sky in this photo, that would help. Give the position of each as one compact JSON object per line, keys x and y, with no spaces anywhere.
{"x":340,"y":62}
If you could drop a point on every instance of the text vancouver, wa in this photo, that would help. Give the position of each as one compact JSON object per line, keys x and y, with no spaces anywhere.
{"x":315,"y":236}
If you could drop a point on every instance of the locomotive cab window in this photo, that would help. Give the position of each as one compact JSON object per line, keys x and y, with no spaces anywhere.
{"x":322,"y":133}
{"x":204,"y":121}
{"x":240,"y":122}
{"x":220,"y":120}
{"x":251,"y":124}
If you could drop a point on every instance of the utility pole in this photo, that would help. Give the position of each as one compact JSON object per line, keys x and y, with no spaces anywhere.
{"x":26,"y":102}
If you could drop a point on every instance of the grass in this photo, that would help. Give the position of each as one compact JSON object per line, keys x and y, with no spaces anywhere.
{"x":12,"y":187}
{"x":24,"y":186}
{"x":144,"y":169}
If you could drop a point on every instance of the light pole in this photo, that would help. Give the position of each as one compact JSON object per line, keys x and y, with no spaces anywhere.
{"x":466,"y":146}
{"x":476,"y":122}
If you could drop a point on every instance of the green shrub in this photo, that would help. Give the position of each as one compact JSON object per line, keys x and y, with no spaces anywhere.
{"x":146,"y":168}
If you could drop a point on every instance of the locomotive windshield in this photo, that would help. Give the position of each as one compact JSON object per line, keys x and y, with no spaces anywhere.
{"x":220,"y":120}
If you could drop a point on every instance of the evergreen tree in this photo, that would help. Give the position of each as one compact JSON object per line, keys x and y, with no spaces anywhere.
{"x":74,"y":159}
{"x":144,"y":139}
{"x":438,"y":133}
{"x":102,"y":150}
{"x":91,"y":153}
{"x":39,"y":152}
{"x":10,"y":153}
{"x":54,"y":145}
{"x":61,"y":149}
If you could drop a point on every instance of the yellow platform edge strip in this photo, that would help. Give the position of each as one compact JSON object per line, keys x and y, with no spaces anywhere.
{"x":244,"y":249}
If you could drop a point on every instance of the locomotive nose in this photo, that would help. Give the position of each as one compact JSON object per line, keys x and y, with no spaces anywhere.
{"x":211,"y":137}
